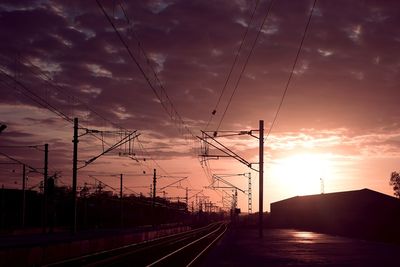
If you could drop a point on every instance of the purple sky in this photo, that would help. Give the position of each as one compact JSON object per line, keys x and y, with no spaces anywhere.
{"x":341,"y":109}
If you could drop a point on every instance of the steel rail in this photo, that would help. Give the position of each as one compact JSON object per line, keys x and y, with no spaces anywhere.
{"x":120,"y":252}
{"x":191,"y":244}
{"x":208,"y":247}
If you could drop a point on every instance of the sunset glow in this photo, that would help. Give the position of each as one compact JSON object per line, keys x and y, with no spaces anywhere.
{"x":301,"y":174}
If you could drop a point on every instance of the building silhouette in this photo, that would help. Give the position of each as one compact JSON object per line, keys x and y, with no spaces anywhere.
{"x":361,"y":213}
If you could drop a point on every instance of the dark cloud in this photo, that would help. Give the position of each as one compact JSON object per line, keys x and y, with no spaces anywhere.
{"x":346,"y":76}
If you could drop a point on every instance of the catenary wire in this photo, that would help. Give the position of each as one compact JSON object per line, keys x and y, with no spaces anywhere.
{"x":292,"y":71}
{"x":245,"y":64}
{"x":237,"y":54}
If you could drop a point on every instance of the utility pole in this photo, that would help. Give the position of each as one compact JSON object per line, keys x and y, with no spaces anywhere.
{"x":250,"y":197}
{"x":223,"y":151}
{"x":2,"y":208}
{"x":75,"y":141}
{"x":197,"y":203}
{"x":261,"y":178}
{"x":23,"y":195}
{"x":187,"y":199}
{"x":121,"y":199}
{"x":154,"y":187}
{"x":154,"y":199}
{"x":45,"y":191}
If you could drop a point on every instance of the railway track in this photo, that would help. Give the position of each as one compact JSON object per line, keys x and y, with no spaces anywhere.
{"x":182,"y":249}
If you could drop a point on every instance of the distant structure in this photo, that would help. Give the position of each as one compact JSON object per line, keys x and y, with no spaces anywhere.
{"x":2,"y":127}
{"x":322,"y":186}
{"x":361,"y":213}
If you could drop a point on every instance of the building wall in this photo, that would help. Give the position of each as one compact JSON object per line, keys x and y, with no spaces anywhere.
{"x":362,"y":213}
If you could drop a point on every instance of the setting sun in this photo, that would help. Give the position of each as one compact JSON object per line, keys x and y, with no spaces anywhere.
{"x":301,"y":174}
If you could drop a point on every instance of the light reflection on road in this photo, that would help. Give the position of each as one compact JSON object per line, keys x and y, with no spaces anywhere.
{"x":289,"y":247}
{"x":304,"y":237}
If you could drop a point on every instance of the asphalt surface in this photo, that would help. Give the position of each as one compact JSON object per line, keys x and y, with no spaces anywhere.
{"x":288,"y":247}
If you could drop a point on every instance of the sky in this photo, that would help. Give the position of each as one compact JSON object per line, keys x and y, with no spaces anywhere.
{"x":338,"y":127}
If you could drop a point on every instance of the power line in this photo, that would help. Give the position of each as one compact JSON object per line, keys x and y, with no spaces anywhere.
{"x":50,"y":81}
{"x":206,"y":168}
{"x":22,"y":146}
{"x":36,"y":98}
{"x":292,"y":71}
{"x":237,"y":54}
{"x":101,"y":182}
{"x":45,"y":104}
{"x":40,"y":74}
{"x":152,"y":159}
{"x":166,"y":103}
{"x":245,"y":64}
{"x":33,"y":169}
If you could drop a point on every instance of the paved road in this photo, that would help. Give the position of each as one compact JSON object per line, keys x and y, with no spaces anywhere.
{"x":284,"y":247}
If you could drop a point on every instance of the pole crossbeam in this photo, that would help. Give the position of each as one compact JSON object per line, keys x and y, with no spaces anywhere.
{"x":217,"y":178}
{"x":195,"y":195}
{"x":103,"y":183}
{"x":121,"y":142}
{"x":249,"y":192}
{"x":171,"y":176}
{"x":222,"y":148}
{"x":229,"y":153}
{"x":171,"y":184}
{"x":231,"y":175}
{"x":172,"y":198}
{"x":228,"y":133}
{"x":88,"y":131}
{"x":233,"y":197}
{"x":32,"y":169}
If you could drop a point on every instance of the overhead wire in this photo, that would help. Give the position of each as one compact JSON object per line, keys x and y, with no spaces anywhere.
{"x":42,"y":102}
{"x":206,"y":164}
{"x":36,"y":98}
{"x":40,"y":74}
{"x":245,"y":63}
{"x":52,"y":83}
{"x":33,"y":169}
{"x":151,"y":158}
{"x":171,"y":110}
{"x":45,"y":104}
{"x":292,"y":71}
{"x":101,"y":182}
{"x":237,"y":54}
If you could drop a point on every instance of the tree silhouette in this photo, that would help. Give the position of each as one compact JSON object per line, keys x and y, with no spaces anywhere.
{"x":395,"y":182}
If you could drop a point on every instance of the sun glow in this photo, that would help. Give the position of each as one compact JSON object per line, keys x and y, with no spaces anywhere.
{"x":301,"y":174}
